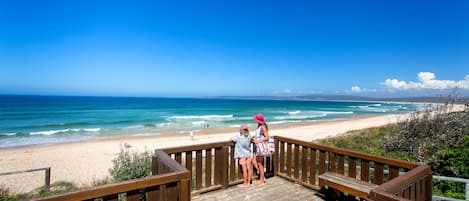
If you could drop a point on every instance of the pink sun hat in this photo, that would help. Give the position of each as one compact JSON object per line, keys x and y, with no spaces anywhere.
{"x":259,"y":118}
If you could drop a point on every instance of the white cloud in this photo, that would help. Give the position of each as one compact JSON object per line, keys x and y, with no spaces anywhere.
{"x":357,"y":89}
{"x":426,"y":76}
{"x":426,"y":80}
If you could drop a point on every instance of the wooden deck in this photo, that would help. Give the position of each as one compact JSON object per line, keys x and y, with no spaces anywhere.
{"x":274,"y":189}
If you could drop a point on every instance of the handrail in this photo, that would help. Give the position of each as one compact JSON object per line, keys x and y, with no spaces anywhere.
{"x":197,"y":147}
{"x":389,"y":161}
{"x":171,"y":173}
{"x":219,"y":164}
{"x":168,"y":162}
{"x":46,"y":177}
{"x":317,"y":159}
{"x":399,"y":183}
{"x":120,"y":187}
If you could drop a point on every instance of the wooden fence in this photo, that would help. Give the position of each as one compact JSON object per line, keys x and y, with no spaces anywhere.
{"x":46,"y":175}
{"x":303,"y":162}
{"x":212,"y":165}
{"x":180,"y":171}
{"x":170,"y":181}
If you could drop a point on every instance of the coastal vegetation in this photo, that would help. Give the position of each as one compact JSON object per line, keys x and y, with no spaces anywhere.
{"x":131,"y":164}
{"x":433,"y":137}
{"x":57,"y":187}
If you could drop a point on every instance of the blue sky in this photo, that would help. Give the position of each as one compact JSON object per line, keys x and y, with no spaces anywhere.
{"x":212,"y":48}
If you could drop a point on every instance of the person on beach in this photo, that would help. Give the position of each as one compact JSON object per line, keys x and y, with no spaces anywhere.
{"x":242,"y":152}
{"x":261,"y":135}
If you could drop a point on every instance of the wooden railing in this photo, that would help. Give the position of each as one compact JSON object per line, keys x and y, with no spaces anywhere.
{"x":182,"y":171}
{"x":170,"y":181}
{"x":303,"y":162}
{"x":212,"y":165}
{"x":414,"y":185}
{"x":46,"y":175}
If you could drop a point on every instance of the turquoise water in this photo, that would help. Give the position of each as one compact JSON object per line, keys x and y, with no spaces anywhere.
{"x":27,"y":120}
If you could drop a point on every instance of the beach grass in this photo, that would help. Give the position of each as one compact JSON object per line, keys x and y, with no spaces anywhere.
{"x":366,"y":141}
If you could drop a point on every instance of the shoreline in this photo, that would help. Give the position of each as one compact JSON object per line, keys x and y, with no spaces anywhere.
{"x":87,"y":161}
{"x":197,"y":132}
{"x":70,"y":134}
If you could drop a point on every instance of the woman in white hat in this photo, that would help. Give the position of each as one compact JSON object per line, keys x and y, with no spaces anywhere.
{"x":242,"y":152}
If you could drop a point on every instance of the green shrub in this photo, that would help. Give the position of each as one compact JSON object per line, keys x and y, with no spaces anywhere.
{"x":453,"y":161}
{"x":449,"y":189}
{"x":433,"y":137}
{"x":6,"y":195}
{"x":55,"y":188}
{"x":100,"y":182}
{"x":131,"y":164}
{"x":353,"y":140}
{"x":425,"y":135}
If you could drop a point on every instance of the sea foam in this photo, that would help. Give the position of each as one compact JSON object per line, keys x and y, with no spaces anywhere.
{"x":52,"y":132}
{"x":203,"y":117}
{"x":311,"y":115}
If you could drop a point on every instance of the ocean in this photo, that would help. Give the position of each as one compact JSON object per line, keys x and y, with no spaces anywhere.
{"x":29,"y":120}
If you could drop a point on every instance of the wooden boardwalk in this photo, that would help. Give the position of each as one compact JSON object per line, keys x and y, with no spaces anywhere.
{"x":275,"y":189}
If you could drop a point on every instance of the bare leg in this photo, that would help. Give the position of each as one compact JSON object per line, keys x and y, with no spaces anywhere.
{"x":260,"y":167}
{"x":254,"y":162}
{"x":249,"y":171}
{"x":243,"y":162}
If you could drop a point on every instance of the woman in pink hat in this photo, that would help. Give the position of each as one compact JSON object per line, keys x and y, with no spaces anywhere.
{"x":261,"y":135}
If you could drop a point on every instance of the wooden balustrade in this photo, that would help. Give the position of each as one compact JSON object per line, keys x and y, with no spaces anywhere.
{"x":170,"y":182}
{"x":414,"y":185}
{"x":201,"y":168}
{"x":212,"y":165}
{"x":303,"y":162}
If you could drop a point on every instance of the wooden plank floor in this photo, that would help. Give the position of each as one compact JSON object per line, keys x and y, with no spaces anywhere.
{"x":275,"y":189}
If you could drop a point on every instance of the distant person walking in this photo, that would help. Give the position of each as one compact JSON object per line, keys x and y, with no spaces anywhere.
{"x":261,"y":135}
{"x":242,"y":152}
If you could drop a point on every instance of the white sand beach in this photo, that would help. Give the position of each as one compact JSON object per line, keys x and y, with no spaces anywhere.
{"x":83,"y":162}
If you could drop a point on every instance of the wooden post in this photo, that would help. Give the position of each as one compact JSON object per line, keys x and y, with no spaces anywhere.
{"x":198,"y":169}
{"x":47,"y":179}
{"x":428,"y":187}
{"x":185,"y":190}
{"x":296,"y":162}
{"x":379,"y":173}
{"x":322,"y":162}
{"x":281,"y":156}
{"x":224,"y":166}
{"x":208,"y":168}
{"x":232,"y":165}
{"x":276,"y":153}
{"x":221,"y":166}
{"x":304,"y":165}
{"x":154,"y":165}
{"x":365,"y":170}
{"x":288,"y":159}
{"x":312,"y":167}
{"x":352,"y":167}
